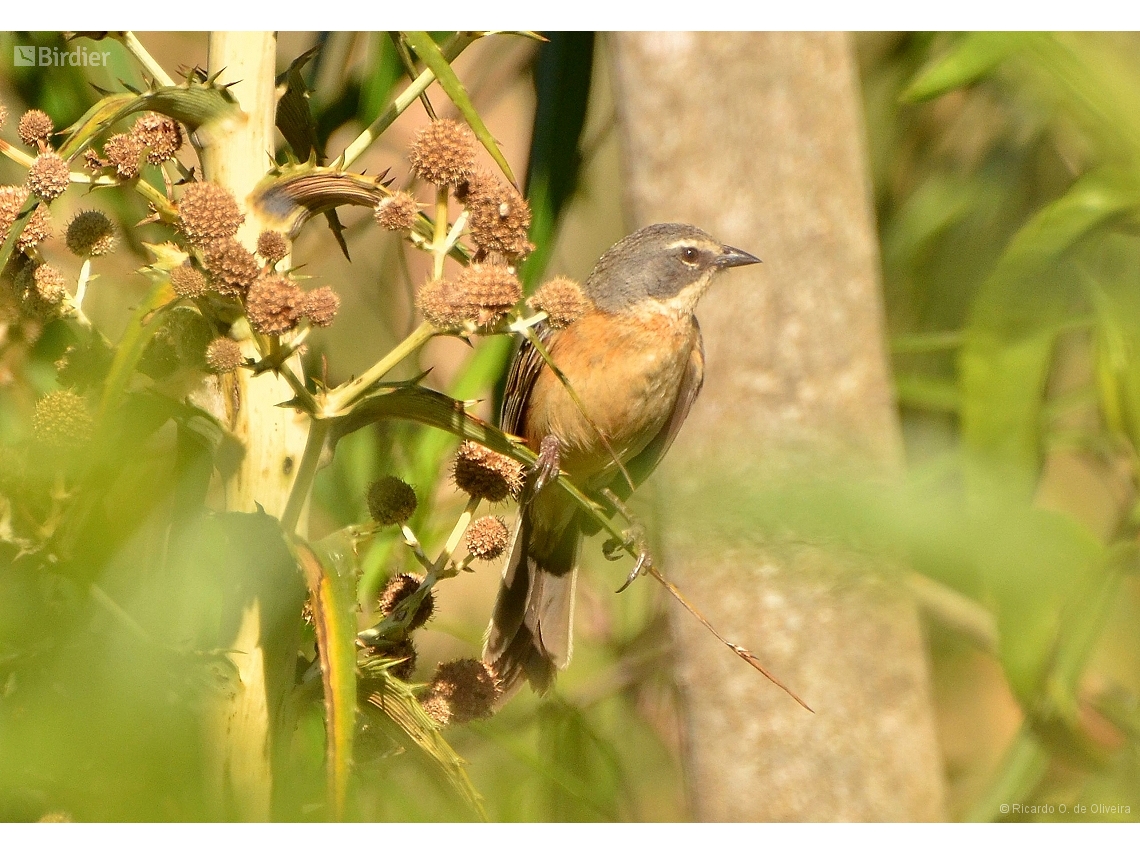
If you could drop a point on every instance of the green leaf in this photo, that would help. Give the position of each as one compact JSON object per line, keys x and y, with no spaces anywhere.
{"x":434,"y":59}
{"x":927,"y":393}
{"x":973,"y":57}
{"x":562,"y":77}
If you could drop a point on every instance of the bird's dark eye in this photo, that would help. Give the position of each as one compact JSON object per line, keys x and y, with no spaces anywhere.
{"x":690,"y":255}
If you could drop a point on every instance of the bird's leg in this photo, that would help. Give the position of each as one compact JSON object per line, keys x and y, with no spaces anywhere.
{"x":635,"y":539}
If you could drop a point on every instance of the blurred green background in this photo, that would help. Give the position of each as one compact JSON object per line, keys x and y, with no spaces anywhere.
{"x":1006,"y":176}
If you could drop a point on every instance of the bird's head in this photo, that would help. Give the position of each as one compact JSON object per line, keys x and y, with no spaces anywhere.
{"x":667,"y":266}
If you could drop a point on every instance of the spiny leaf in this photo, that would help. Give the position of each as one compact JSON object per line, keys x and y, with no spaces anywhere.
{"x":434,"y":59}
{"x":294,"y":117}
{"x":395,"y":700}
{"x":195,"y":105}
{"x":330,"y":571}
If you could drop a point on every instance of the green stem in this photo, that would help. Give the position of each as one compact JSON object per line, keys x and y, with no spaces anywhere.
{"x":343,"y":396}
{"x":405,"y":99}
{"x":439,"y":239}
{"x":306,"y":472}
{"x":130,"y":41}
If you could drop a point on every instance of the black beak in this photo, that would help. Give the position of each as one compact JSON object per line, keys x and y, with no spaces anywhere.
{"x":730,"y":256}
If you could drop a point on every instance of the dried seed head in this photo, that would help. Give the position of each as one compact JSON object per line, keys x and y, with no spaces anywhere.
{"x":125,"y":153}
{"x":3,"y":115}
{"x":208,"y":212}
{"x":160,"y":134}
{"x":442,"y":305}
{"x":50,"y":285}
{"x":320,"y":305}
{"x":93,"y":161}
{"x":272,"y":246}
{"x":443,"y":152}
{"x":233,"y":267}
{"x":461,"y":691}
{"x":35,"y":127}
{"x":391,"y":501}
{"x":562,"y":299}
{"x":406,"y":652}
{"x":490,"y":290}
{"x":38,"y":227}
{"x":90,"y":234}
{"x":273,"y":305}
{"x":498,"y":216}
{"x":397,"y":212}
{"x":223,"y":355}
{"x":49,"y":176}
{"x":485,"y":474}
{"x":487,"y":538}
{"x":399,"y":588}
{"x":188,"y":281}
{"x":61,"y":420}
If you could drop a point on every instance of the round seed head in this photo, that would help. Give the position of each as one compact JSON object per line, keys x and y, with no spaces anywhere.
{"x":563,"y":301}
{"x":442,"y":305}
{"x":50,"y":285}
{"x":93,"y":161}
{"x":49,"y":176}
{"x":443,"y":152}
{"x":273,"y":305}
{"x":272,"y":246}
{"x":406,"y":652}
{"x":399,"y":588}
{"x":320,"y":305}
{"x":487,"y":538}
{"x":61,"y":420}
{"x":223,"y":355}
{"x":90,"y":234}
{"x":391,"y":501}
{"x":35,"y":127}
{"x":125,"y":153}
{"x":233,"y":267}
{"x":460,"y":691}
{"x":38,"y":227}
{"x":490,"y":290}
{"x":498,"y":216}
{"x":188,"y":281}
{"x":208,"y":212}
{"x":485,"y":474}
{"x":397,"y":212}
{"x":160,"y":134}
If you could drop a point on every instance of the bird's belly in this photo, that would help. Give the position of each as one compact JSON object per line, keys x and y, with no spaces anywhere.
{"x":627,"y":380}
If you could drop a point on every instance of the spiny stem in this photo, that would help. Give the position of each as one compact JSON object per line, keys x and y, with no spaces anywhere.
{"x":306,"y":473}
{"x":414,"y":544}
{"x":343,"y":396}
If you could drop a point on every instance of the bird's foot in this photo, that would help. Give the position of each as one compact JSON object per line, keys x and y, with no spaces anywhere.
{"x":633,"y":538}
{"x":548,"y":464}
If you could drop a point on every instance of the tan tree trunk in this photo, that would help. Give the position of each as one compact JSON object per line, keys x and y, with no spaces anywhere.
{"x":758,"y":139}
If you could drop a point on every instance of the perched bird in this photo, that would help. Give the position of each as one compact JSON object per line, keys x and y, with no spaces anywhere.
{"x":636,"y":362}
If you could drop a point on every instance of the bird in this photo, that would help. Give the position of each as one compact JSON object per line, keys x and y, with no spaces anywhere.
{"x":635,"y":360}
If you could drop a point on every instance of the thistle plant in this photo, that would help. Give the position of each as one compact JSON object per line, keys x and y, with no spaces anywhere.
{"x":198,"y":429}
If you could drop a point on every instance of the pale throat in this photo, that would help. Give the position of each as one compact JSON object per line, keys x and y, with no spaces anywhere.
{"x":681,"y":305}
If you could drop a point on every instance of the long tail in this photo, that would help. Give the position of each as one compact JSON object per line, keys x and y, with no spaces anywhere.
{"x":530,"y":632}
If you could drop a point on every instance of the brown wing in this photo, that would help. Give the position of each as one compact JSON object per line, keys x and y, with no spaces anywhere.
{"x":525,"y":368}
{"x":641,"y":466}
